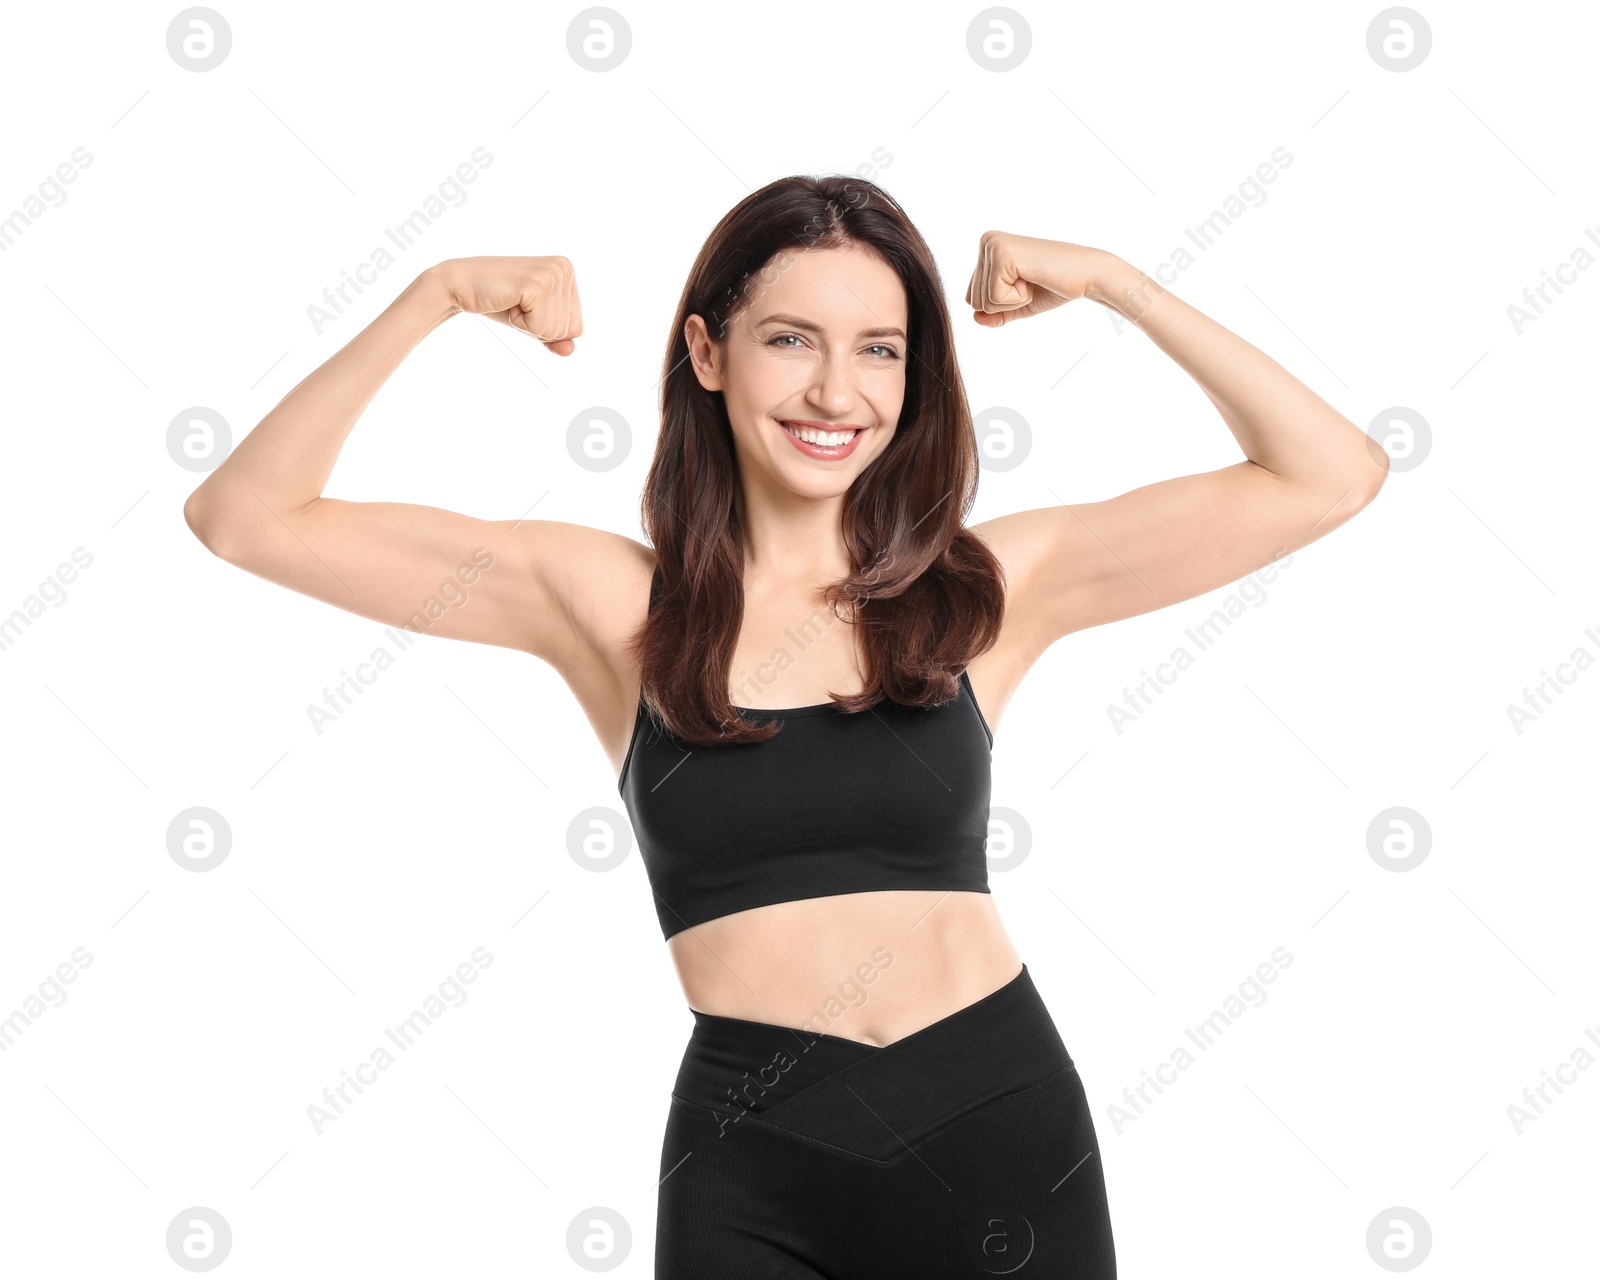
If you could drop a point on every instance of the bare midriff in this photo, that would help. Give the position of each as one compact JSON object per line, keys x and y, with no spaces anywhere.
{"x":872,"y":967}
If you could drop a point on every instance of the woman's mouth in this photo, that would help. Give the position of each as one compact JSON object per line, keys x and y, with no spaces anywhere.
{"x":825,"y":440}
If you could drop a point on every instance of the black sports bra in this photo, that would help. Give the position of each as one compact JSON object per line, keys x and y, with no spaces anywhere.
{"x":894,"y":797}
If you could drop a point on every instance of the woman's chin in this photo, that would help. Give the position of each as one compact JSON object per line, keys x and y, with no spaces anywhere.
{"x":806,"y":483}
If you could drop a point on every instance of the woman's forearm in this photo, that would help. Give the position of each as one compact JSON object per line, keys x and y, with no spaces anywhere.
{"x":284,"y":463}
{"x":1279,"y":422}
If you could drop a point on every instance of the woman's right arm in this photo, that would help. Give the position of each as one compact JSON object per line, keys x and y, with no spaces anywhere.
{"x":563,"y":592}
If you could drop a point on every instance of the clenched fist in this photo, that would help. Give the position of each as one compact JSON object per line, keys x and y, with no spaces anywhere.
{"x":1020,"y":276}
{"x":537,"y":295}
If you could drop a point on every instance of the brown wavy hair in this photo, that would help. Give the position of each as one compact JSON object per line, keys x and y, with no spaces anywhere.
{"x":925,"y":593}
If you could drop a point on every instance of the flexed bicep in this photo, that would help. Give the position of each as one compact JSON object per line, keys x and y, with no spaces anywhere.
{"x":1080,"y":565}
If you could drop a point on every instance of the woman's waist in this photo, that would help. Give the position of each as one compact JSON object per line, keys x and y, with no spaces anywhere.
{"x":869,"y":967}
{"x":842,"y":1093}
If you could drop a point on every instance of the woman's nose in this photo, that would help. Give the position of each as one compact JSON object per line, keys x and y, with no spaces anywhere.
{"x":835,"y":390}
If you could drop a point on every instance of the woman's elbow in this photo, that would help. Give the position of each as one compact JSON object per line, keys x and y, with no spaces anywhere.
{"x":208,"y":520}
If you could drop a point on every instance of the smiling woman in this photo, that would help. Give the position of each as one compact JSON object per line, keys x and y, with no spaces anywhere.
{"x":807,"y":498}
{"x":805,"y":411}
{"x":826,"y":440}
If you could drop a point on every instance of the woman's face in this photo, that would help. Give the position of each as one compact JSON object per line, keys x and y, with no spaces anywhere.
{"x":820,"y":347}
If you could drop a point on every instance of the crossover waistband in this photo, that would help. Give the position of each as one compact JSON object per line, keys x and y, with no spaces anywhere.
{"x":872,"y":1102}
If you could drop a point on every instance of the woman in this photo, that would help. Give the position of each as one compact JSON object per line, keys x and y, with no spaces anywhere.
{"x":798,"y":686}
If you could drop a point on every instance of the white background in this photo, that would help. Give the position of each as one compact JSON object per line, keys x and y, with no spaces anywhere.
{"x":1230,"y":819}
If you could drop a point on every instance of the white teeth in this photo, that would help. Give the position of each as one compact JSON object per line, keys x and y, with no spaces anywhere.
{"x":811,"y":435}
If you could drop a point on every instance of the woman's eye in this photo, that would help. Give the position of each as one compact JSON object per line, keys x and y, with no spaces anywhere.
{"x":886,"y":352}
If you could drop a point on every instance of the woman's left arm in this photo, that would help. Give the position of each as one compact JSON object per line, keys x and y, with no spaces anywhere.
{"x":1308,"y":467}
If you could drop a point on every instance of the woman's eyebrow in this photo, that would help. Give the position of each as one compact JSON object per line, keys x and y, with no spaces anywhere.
{"x":795,"y":322}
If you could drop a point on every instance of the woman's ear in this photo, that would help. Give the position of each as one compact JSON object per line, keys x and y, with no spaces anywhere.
{"x":704,"y":354}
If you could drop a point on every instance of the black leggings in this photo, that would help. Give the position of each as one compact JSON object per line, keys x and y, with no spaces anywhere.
{"x":964,"y":1149}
